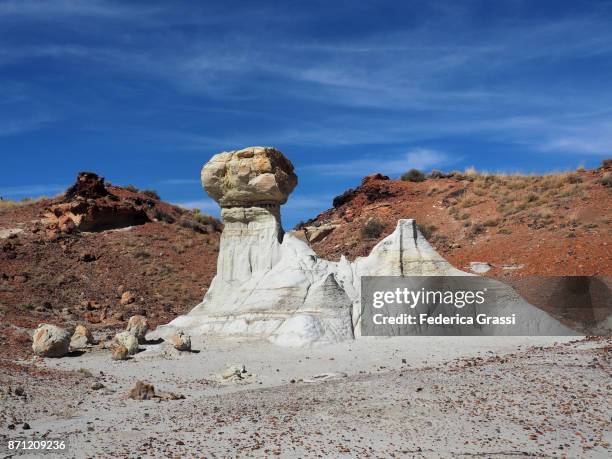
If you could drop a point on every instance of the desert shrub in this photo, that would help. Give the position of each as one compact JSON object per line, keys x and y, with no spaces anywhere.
{"x":152,"y":194}
{"x":606,"y":163}
{"x":413,"y":175}
{"x":505,"y":231}
{"x":142,"y":255}
{"x":606,"y":180}
{"x":464,"y":216}
{"x":544,"y":213}
{"x":467,"y":202}
{"x":373,"y":229}
{"x":427,"y":230}
{"x":491,"y":222}
{"x":191,"y":225}
{"x":479,"y":191}
{"x":203,"y":219}
{"x":477,"y":228}
{"x":162,"y":216}
{"x":436,"y":174}
{"x":573,"y":179}
{"x":8,"y":204}
{"x":531,"y":197}
{"x":132,"y":188}
{"x":470,"y":173}
{"x":440,"y":239}
{"x":344,"y":198}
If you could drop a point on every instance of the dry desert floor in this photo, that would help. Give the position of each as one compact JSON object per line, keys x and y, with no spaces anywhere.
{"x":374,"y":397}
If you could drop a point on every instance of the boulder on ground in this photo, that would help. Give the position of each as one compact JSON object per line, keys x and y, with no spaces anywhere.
{"x":138,"y":326}
{"x":51,"y":341}
{"x":180,"y":340}
{"x":120,"y":353}
{"x":127,"y":340}
{"x":142,"y":391}
{"x":81,"y":337}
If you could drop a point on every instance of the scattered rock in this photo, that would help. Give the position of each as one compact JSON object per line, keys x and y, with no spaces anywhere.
{"x":138,"y":326}
{"x":235,"y":373}
{"x":120,"y":353}
{"x":170,"y":396}
{"x":325,"y":377}
{"x":81,"y":337}
{"x":180,"y":340}
{"x":92,"y":317}
{"x":127,"y":340}
{"x":142,"y":391}
{"x":127,"y":298}
{"x":316,"y":234}
{"x":97,"y":385}
{"x":10,"y":233}
{"x":19,"y":391}
{"x":50,"y":341}
{"x":479,"y":267}
{"x":66,"y":224}
{"x":26,"y":426}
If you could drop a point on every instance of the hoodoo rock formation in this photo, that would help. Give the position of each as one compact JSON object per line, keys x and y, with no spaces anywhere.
{"x":272,"y":285}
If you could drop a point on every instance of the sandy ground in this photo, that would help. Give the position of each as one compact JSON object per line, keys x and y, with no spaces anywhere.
{"x":397,"y":397}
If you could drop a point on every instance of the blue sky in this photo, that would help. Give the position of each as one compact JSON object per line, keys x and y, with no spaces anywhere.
{"x":145,"y":92}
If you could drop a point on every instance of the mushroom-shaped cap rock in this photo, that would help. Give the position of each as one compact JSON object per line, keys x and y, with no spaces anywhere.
{"x":253,"y":175}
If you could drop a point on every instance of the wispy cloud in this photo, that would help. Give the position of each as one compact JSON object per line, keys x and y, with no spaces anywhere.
{"x":17,"y":126}
{"x":45,"y":9}
{"x":421,"y":158}
{"x":511,"y":82}
{"x":31,"y":190}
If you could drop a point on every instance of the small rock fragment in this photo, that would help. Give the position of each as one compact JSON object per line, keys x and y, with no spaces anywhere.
{"x":127,"y":340}
{"x":180,"y":340}
{"x":235,"y":371}
{"x":97,"y":385}
{"x":127,"y":298}
{"x":81,"y":337}
{"x":138,"y":326}
{"x":120,"y":353}
{"x":142,"y":391}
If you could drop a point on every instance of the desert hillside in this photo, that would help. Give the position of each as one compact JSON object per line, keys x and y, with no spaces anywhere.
{"x":511,"y":227}
{"x":557,"y":224}
{"x":99,"y":254}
